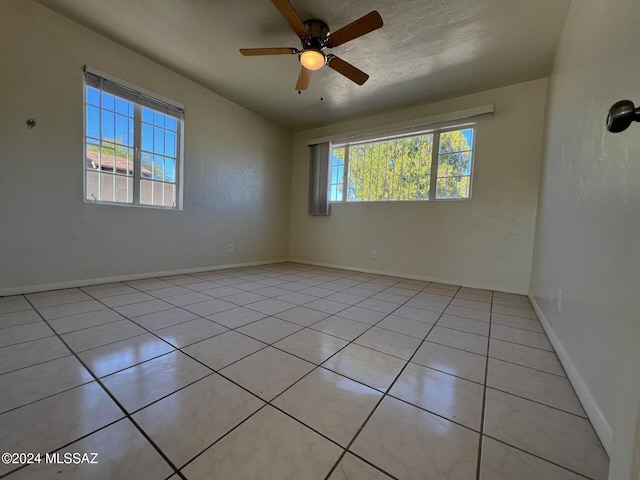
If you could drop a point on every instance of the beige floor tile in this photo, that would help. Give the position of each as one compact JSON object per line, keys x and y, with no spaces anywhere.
{"x":406,"y":326}
{"x":219,"y":351}
{"x":31,"y":353}
{"x":341,"y":327}
{"x":87,"y":338}
{"x":84,"y":320}
{"x":361,"y":314}
{"x":269,"y":330}
{"x":452,"y":397}
{"x":122,"y":452}
{"x":267,"y":372}
{"x":311,"y":345}
{"x":411,"y":443}
{"x":55,"y":421}
{"x":526,"y":356}
{"x":375,"y":369}
{"x":458,"y":339}
{"x":418,"y":314}
{"x":330,"y":404}
{"x":192,"y":419}
{"x":535,"y":385}
{"x":117,"y":356}
{"x":464,"y":324}
{"x":33,"y":383}
{"x":19,"y":318}
{"x":24,"y":333}
{"x":451,"y":360}
{"x":393,"y":343}
{"x":190,"y":332}
{"x":516,"y":322}
{"x":523,"y":337}
{"x":352,"y":468}
{"x":147,"y":382}
{"x":503,"y":462}
{"x":560,"y":437}
{"x":270,"y":446}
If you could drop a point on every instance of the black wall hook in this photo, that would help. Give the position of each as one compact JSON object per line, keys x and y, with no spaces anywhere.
{"x":31,"y":123}
{"x":621,"y":115}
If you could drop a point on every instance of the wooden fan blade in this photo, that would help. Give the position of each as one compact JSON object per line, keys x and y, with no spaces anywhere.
{"x":291,"y":16}
{"x":303,"y":79}
{"x":346,"y":69}
{"x":370,"y":22}
{"x":252,"y":52}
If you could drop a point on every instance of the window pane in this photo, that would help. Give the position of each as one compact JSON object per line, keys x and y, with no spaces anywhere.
{"x":108,"y":101}
{"x":107,"y":159}
{"x":147,"y":115}
{"x":158,"y":168}
{"x":147,"y":137}
{"x":147,"y":165}
{"x":124,"y":189}
{"x":146,"y":192}
{"x":122,"y":130}
{"x":93,"y":122}
{"x":454,"y":164}
{"x":93,"y":96}
{"x":107,"y":187}
{"x":158,"y":140}
{"x":170,"y":170}
{"x":453,"y":187}
{"x":122,"y":106}
{"x":158,"y":194}
{"x":158,"y":119}
{"x":92,"y":191}
{"x":169,"y":195}
{"x":108,"y":125}
{"x":170,"y":144}
{"x":171,"y":123}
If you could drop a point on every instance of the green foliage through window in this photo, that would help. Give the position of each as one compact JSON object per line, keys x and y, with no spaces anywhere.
{"x":403,"y":168}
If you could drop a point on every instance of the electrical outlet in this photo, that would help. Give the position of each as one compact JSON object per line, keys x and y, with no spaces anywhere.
{"x":374,"y":254}
{"x":559,"y":301}
{"x":231,"y":248}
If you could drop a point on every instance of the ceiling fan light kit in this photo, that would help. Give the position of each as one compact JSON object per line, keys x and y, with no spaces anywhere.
{"x":315,"y":36}
{"x":312,"y":59}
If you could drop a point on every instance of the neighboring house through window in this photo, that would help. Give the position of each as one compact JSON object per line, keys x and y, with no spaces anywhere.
{"x":133,"y":145}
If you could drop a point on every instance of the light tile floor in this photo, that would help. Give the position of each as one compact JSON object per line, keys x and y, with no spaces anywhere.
{"x":287,"y":372}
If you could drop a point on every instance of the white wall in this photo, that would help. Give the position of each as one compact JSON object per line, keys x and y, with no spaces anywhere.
{"x":484,"y":242}
{"x":237,"y":167}
{"x":588,"y":228}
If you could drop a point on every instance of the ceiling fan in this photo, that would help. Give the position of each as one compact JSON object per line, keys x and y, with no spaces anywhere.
{"x":315,"y":37}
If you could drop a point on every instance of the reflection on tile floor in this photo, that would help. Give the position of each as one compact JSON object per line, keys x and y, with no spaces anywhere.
{"x":287,"y":371}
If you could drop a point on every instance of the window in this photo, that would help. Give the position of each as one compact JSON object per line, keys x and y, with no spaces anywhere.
{"x":132,"y":146}
{"x":403,"y":167}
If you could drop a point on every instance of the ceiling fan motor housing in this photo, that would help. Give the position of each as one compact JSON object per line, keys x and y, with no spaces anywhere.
{"x":318,"y":31}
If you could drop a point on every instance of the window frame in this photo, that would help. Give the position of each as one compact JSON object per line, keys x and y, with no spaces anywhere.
{"x":137,"y":142}
{"x":435,"y":159}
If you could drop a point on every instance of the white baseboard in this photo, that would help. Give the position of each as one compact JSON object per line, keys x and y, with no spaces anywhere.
{"x":123,"y":278}
{"x":600,"y":425}
{"x":405,"y":275}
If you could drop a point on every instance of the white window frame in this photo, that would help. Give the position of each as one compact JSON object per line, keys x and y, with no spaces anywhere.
{"x":150,"y":100}
{"x":433,"y":179}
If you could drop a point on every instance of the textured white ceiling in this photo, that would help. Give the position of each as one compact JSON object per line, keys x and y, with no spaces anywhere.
{"x":426,"y":50}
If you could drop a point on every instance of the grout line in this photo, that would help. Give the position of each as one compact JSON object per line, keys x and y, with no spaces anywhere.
{"x":484,"y":399}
